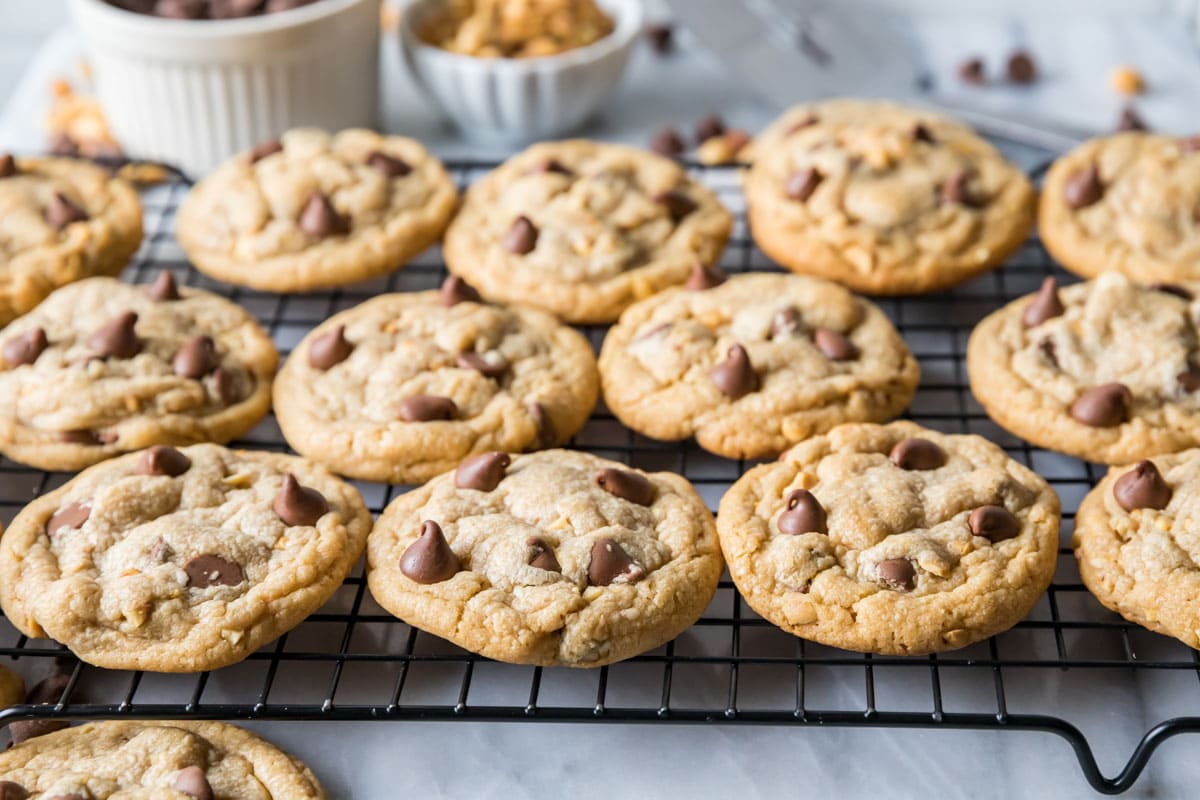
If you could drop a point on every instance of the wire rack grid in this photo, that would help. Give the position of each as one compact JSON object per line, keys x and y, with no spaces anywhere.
{"x":353,"y":661}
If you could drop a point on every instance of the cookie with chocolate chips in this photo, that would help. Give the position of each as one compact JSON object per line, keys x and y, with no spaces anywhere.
{"x":754,"y":364}
{"x":1107,"y":370}
{"x":315,"y":210}
{"x":556,"y":558}
{"x":61,"y":220}
{"x":180,"y":560}
{"x":583,"y":229}
{"x":405,"y":386}
{"x":103,"y":367}
{"x":891,"y":539}
{"x":882,"y":198}
{"x":198,"y":760}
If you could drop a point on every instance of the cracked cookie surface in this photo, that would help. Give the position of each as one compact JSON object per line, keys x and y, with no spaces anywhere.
{"x":817,"y":357}
{"x":546,"y":565}
{"x":583,"y":229}
{"x":863,"y":540}
{"x":882,"y":198}
{"x":1058,"y":381}
{"x":185,"y":561}
{"x":322,"y":210}
{"x":81,"y":380}
{"x":164,"y":760}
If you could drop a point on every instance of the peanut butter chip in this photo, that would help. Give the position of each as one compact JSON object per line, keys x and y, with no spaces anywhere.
{"x":627,"y":485}
{"x":994,"y":523}
{"x":483,"y":472}
{"x":917,"y":454}
{"x":388,"y":166}
{"x":678,"y":204}
{"x":1083,"y":187}
{"x":801,"y":184}
{"x":329,"y":349}
{"x":25,"y":348}
{"x":61,"y":212}
{"x":298,"y":505}
{"x":320,"y":219}
{"x":704,"y":277}
{"x":1142,"y":487}
{"x":541,"y":555}
{"x":735,"y":376}
{"x":610,"y":564}
{"x":455,"y":290}
{"x":429,"y":559}
{"x":193,"y":782}
{"x":1044,"y":305}
{"x":898,"y":574}
{"x":117,"y":339}
{"x":196,"y":358}
{"x":212,"y":570}
{"x":1103,"y":406}
{"x":804,"y":514}
{"x":164,"y":289}
{"x":427,"y":408}
{"x":521,"y":237}
{"x":835,"y":346}
{"x":267,"y":148}
{"x":161,"y":460}
{"x":69,"y":516}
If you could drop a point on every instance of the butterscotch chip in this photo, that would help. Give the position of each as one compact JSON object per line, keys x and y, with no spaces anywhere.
{"x":1126,"y":79}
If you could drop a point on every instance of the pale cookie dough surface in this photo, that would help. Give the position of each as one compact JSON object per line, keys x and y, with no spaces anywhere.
{"x":877,"y":221}
{"x":68,"y":410}
{"x":114,"y":589}
{"x":656,"y":364}
{"x":37,"y":257}
{"x":1142,"y":564}
{"x":349,"y":415}
{"x":241,"y":223}
{"x":603,"y":240}
{"x":827,"y":587}
{"x":504,"y":608}
{"x":1145,"y":222}
{"x":1113,"y":330}
{"x":135,"y":760}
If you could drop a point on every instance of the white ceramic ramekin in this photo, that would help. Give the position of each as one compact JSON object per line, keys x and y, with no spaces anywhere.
{"x":521,"y":99}
{"x":194,"y":92}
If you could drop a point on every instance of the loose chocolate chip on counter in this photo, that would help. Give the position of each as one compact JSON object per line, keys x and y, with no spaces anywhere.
{"x":833,"y":345}
{"x":918,"y":454}
{"x":804,"y":514}
{"x":898,"y":574}
{"x":180,"y":9}
{"x":1142,"y":487}
{"x":388,"y":166}
{"x":483,"y":472}
{"x":541,"y":555}
{"x":1083,"y":188}
{"x":225,"y":385}
{"x":667,"y":142}
{"x":1172,"y":289}
{"x":25,"y":348}
{"x":802,"y":183}
{"x":320,"y":219}
{"x":1189,"y":381}
{"x":297,"y":504}
{"x":521,"y":237}
{"x":72,"y":515}
{"x":429,"y":559}
{"x":1103,"y":406}
{"x":116,"y":338}
{"x":786,"y":322}
{"x":678,"y":204}
{"x":627,"y":485}
{"x":8,"y":165}
{"x":11,"y":790}
{"x":994,"y":523}
{"x":547,"y":435}
{"x":193,"y":782}
{"x":163,"y":460}
{"x":212,"y":570}
{"x":661,"y":37}
{"x":735,"y":376}
{"x":196,"y":358}
{"x":1044,"y":305}
{"x":427,"y":408}
{"x":552,"y":166}
{"x":921,"y":133}
{"x":164,"y":288}
{"x":494,"y":367}
{"x":1021,"y":68}
{"x":267,"y":148}
{"x":956,"y":190}
{"x":703,"y":277}
{"x":610,"y":562}
{"x":971,"y":71}
{"x":1130,"y":120}
{"x":708,"y":127}
{"x":61,"y":212}
{"x":329,"y":349}
{"x":455,"y":290}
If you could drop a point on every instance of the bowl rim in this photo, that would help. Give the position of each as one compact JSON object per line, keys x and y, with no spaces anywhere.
{"x":148,"y":24}
{"x":628,"y":16}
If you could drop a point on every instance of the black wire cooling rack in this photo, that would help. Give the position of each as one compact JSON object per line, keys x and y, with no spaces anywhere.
{"x":353,"y":661}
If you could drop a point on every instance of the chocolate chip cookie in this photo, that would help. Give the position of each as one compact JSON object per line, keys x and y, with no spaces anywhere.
{"x":1129,"y":202}
{"x":405,"y":386}
{"x":1106,"y":370}
{"x":180,"y":560}
{"x":557,"y":558}
{"x":754,"y":364}
{"x":103,"y":367}
{"x":196,"y":760}
{"x":60,"y":220}
{"x":891,"y":539}
{"x":1136,"y":544}
{"x":315,"y":210}
{"x":583,"y":229}
{"x":882,"y":198}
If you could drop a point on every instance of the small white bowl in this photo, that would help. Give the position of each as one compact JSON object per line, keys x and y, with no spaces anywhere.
{"x":194,"y":92}
{"x":521,"y":99}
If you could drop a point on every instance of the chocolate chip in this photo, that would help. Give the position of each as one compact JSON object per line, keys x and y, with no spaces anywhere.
{"x":1044,"y":305}
{"x":1130,"y":120}
{"x":79,"y":436}
{"x":329,"y":348}
{"x":703,"y":277}
{"x":388,"y":166}
{"x":212,"y":570}
{"x":483,"y":472}
{"x":61,"y":144}
{"x":1172,"y":289}
{"x":1082,"y":187}
{"x":49,"y":690}
{"x":898,"y":574}
{"x":196,"y":358}
{"x":116,"y":338}
{"x":427,"y":408}
{"x":11,"y":790}
{"x":735,"y":376}
{"x":46,"y":691}
{"x":736,"y":139}
{"x":225,"y":385}
{"x":521,"y":237}
{"x":455,"y":290}
{"x":804,"y":514}
{"x":267,"y":148}
{"x":1021,"y":68}
{"x":61,"y":212}
{"x":1142,"y":487}
{"x":180,"y":9}
{"x":8,"y":165}
{"x":162,"y":460}
{"x":1104,"y":406}
{"x":835,"y":346}
{"x":1190,"y":144}
{"x":804,"y":122}
{"x":802,"y":183}
{"x":541,"y":555}
{"x":920,"y":133}
{"x":429,"y":559}
{"x":971,"y":71}
{"x":319,"y":218}
{"x":297,"y":504}
{"x":610,"y":563}
{"x":494,"y":367}
{"x":1189,"y":381}
{"x":72,"y":515}
{"x":667,"y":142}
{"x":956,"y":190}
{"x":25,"y":729}
{"x":994,"y":523}
{"x":678,"y":204}
{"x":917,"y":454}
{"x":627,"y":485}
{"x":163,"y":289}
{"x":552,"y":165}
{"x":547,"y":435}
{"x":25,"y":348}
{"x":661,"y":37}
{"x":1049,"y":351}
{"x":192,"y":782}
{"x":786,"y":322}
{"x":708,"y":127}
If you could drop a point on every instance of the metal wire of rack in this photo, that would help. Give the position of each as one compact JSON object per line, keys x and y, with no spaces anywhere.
{"x":353,"y":661}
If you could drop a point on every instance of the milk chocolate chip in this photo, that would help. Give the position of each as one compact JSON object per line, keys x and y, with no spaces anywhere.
{"x":61,"y":212}
{"x":834,"y":346}
{"x":193,"y":782}
{"x":164,"y":288}
{"x":196,"y":358}
{"x":162,"y":460}
{"x":267,"y":148}
{"x":898,"y":574}
{"x":225,"y":385}
{"x":69,"y":516}
{"x":547,"y":435}
{"x":483,"y":472}
{"x":610,"y":563}
{"x":801,"y":184}
{"x":804,"y":514}
{"x":1189,"y":381}
{"x":427,"y":408}
{"x":11,"y":790}
{"x":678,"y":204}
{"x":552,"y":165}
{"x":1021,"y":68}
{"x":917,"y":454}
{"x":494,"y":365}
{"x":1103,"y":406}
{"x":1044,"y":305}
{"x":212,"y":570}
{"x":735,"y":376}
{"x":329,"y":348}
{"x":1142,"y":487}
{"x":541,"y":555}
{"x":299,"y":505}
{"x":626,"y":485}
{"x":667,"y":142}
{"x":8,"y":166}
{"x":25,"y":348}
{"x":921,"y":133}
{"x":703,"y":277}
{"x":116,"y":338}
{"x":521,"y":237}
{"x":994,"y":523}
{"x":957,"y":190}
{"x":1172,"y":289}
{"x":1083,"y":187}
{"x":455,"y":290}
{"x":388,"y":166}
{"x":320,"y":219}
{"x":708,"y":127}
{"x":429,"y":559}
